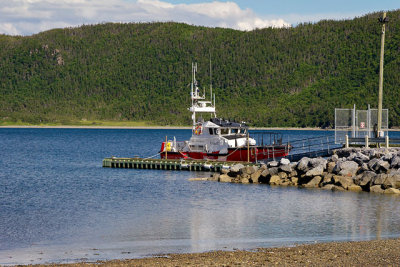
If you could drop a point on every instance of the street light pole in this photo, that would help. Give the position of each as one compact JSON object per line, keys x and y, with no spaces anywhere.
{"x":382,"y":20}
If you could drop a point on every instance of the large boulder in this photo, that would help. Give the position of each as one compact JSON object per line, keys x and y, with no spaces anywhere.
{"x":237,"y":167}
{"x":334,"y":158}
{"x":348,"y":168}
{"x":382,"y":166}
{"x":251,"y":169}
{"x":364,"y":179}
{"x":314,"y":182}
{"x":354,"y":188}
{"x":285,"y":168}
{"x":315,"y":162}
{"x":392,"y":180}
{"x":224,"y":178}
{"x":302,"y":165}
{"x":372,"y":163}
{"x":343,"y":181}
{"x":284,"y":161}
{"x":392,"y":191}
{"x":255,"y":176}
{"x":273,"y":170}
{"x":376,"y":189}
{"x":275,"y":180}
{"x":317,"y":171}
{"x":379,"y":179}
{"x":395,"y":163}
{"x":331,"y":166}
{"x":273,"y":164}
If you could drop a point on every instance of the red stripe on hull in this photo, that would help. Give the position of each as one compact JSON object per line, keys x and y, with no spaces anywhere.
{"x":256,"y":154}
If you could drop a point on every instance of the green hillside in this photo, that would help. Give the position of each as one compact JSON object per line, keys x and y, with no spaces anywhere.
{"x":141,"y":72}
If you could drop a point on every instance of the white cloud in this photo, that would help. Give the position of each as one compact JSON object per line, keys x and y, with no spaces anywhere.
{"x":24,"y":17}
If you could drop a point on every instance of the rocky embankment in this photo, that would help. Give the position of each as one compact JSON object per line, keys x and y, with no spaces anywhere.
{"x":353,"y":169}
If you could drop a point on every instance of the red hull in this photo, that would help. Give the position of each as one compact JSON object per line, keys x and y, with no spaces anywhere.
{"x":240,"y":154}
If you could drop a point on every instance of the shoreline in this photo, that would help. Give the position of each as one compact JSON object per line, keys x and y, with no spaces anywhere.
{"x":381,"y":252}
{"x":158,"y":127}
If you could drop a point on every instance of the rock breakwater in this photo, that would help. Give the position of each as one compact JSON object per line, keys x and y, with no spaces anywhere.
{"x":353,"y":169}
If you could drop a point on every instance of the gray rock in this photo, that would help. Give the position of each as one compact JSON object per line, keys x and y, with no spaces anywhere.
{"x":285,"y":168}
{"x":255,"y":176}
{"x":251,"y":169}
{"x":302,"y":165}
{"x":348,"y":168}
{"x":381,"y":166}
{"x":273,"y":164}
{"x":330,"y":166}
{"x":214,"y":177}
{"x":392,"y":191}
{"x":294,"y":180}
{"x":245,"y":181}
{"x":379,"y":179}
{"x":327,"y":179}
{"x":317,"y":162}
{"x":284,"y":161}
{"x":237,"y":167}
{"x":225,"y":171}
{"x":395,"y":163}
{"x":275,"y":180}
{"x":365,"y":178}
{"x":328,"y":187}
{"x":372,"y":163}
{"x":223,"y":178}
{"x":265,"y":173}
{"x":337,"y":188}
{"x":387,"y":157}
{"x":376,"y":189}
{"x":343,"y":181}
{"x":334,"y":158}
{"x":314,"y":182}
{"x":317,"y":171}
{"x":282,"y":175}
{"x":362,"y":157}
{"x":363,"y":168}
{"x":354,"y":188}
{"x":392,"y":180}
{"x":273,"y":170}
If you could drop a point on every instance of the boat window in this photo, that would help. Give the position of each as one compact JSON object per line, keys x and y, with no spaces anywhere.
{"x":216,"y":131}
{"x":234,"y":131}
{"x":211,"y":131}
{"x":224,"y":131}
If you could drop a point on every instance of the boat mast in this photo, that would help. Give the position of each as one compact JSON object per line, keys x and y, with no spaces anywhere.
{"x":199,"y":104}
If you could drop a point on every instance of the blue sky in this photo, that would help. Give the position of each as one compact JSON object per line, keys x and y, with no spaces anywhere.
{"x":26,"y":17}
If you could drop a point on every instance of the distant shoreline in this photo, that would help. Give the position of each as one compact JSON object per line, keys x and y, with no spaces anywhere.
{"x":148,"y":127}
{"x":158,"y":127}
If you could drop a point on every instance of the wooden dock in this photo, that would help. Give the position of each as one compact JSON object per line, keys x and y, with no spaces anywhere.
{"x":170,"y":164}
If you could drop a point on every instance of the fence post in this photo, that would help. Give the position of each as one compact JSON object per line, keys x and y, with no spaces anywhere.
{"x":346,"y":141}
{"x":366,"y":141}
{"x":387,"y":141}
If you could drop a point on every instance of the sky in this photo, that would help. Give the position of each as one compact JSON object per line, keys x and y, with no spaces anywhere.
{"x":27,"y":17}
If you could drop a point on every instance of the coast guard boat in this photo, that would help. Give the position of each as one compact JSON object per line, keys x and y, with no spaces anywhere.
{"x":220,"y":139}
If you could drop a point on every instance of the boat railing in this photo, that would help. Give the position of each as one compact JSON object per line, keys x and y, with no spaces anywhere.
{"x":265,"y":138}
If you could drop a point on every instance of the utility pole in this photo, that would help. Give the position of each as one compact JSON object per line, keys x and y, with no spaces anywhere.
{"x":383,"y":21}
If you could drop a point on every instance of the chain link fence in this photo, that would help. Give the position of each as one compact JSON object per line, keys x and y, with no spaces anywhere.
{"x":358,"y":123}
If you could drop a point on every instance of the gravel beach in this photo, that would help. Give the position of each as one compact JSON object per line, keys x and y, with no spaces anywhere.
{"x":364,"y":253}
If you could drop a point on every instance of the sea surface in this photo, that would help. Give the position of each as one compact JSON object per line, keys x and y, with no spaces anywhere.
{"x":57,"y":203}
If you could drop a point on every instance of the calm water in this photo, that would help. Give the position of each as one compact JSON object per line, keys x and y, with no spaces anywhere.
{"x":57,"y":204}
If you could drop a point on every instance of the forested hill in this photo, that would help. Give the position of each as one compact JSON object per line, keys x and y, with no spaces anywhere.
{"x":141,"y":72}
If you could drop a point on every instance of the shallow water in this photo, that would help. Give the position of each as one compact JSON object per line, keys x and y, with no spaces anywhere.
{"x":57,"y":204}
